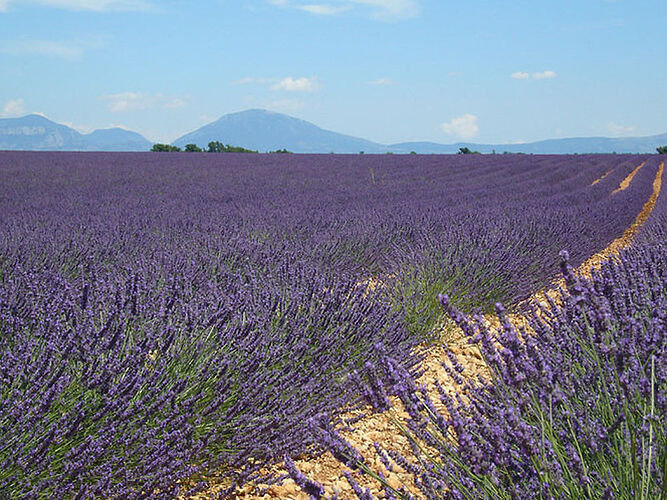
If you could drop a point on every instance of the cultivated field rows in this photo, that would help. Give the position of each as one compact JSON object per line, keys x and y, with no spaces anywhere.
{"x":164,"y":318}
{"x":372,"y":433}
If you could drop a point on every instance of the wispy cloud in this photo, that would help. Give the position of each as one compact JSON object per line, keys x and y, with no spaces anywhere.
{"x":620,"y":130}
{"x":13,"y":108}
{"x":83,"y":5}
{"x":382,"y":82}
{"x":324,"y":9}
{"x":544,"y":75}
{"x":462,"y":127}
{"x":286,"y":84}
{"x":391,"y":9}
{"x":541,"y":75}
{"x":378,"y":9}
{"x":134,"y":101}
{"x":71,"y":51}
{"x":302,"y":84}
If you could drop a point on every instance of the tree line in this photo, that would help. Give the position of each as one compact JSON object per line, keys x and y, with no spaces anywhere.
{"x":213,"y":147}
{"x":219,"y":147}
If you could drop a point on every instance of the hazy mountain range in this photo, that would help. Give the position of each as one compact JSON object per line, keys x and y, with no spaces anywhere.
{"x":265,"y":130}
{"x":35,"y":132}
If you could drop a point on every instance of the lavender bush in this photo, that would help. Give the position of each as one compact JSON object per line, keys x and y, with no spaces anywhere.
{"x":165,"y":317}
{"x":575,"y":406}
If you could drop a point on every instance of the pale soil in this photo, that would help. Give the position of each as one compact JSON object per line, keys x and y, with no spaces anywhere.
{"x":382,"y":427}
{"x":598,"y":180}
{"x":626,"y":182}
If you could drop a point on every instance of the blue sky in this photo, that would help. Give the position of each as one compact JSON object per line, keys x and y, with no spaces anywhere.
{"x":385,"y":70}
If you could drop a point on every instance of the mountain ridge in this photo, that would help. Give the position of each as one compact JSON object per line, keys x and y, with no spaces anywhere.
{"x":264,"y":130}
{"x":38,"y":133}
{"x":268,"y":130}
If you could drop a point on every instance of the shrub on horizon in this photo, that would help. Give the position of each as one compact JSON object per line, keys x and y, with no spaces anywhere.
{"x":164,"y":148}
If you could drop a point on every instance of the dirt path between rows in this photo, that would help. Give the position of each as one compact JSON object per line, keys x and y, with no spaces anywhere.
{"x":601,"y":178}
{"x":626,"y":182}
{"x":381,"y":428}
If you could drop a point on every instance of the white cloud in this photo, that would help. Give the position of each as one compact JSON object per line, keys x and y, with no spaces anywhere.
{"x":381,"y":82}
{"x":462,"y":127}
{"x":544,"y":75}
{"x":64,"y":50}
{"x":379,"y":9}
{"x":91,"y":5}
{"x":290,"y":84}
{"x":620,"y":130}
{"x":174,"y":103}
{"x":133,"y":101}
{"x":391,"y":9}
{"x":13,"y":108}
{"x":323,"y":9}
{"x":541,"y":75}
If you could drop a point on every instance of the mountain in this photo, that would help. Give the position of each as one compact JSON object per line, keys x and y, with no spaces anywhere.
{"x":116,"y":139}
{"x":550,"y":146}
{"x":265,"y":131}
{"x":35,"y":132}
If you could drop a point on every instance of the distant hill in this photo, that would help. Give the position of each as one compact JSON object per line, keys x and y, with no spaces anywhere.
{"x":267,"y":131}
{"x":550,"y":146}
{"x":263,"y":130}
{"x":35,"y":132}
{"x":116,"y":139}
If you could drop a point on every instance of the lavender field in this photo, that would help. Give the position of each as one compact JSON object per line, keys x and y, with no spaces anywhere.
{"x":164,"y":317}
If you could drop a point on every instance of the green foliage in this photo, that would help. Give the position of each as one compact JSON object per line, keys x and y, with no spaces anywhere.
{"x":281,"y":151}
{"x":662,"y":150}
{"x":219,"y":147}
{"x":164,"y":148}
{"x":467,"y":151}
{"x":216,"y":147}
{"x":193,"y":148}
{"x":413,"y":152}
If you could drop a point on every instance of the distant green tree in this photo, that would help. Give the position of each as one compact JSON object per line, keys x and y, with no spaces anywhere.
{"x":662,"y":150}
{"x":164,"y":148}
{"x":361,"y":152}
{"x":219,"y":147}
{"x":193,"y":148}
{"x":216,"y":147}
{"x":281,"y":151}
{"x":467,"y":151}
{"x":238,"y":149}
{"x":413,"y":152}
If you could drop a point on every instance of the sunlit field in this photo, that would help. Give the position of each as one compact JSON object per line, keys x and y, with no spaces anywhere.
{"x":165,"y":318}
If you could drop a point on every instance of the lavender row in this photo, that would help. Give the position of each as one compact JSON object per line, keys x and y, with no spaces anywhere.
{"x":575,"y":407}
{"x":163,"y":316}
